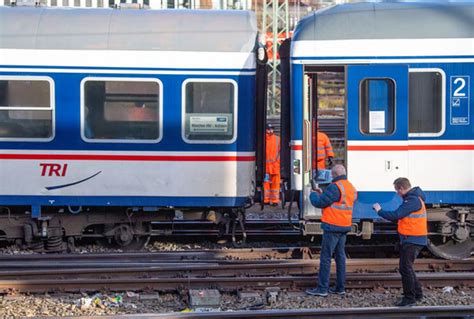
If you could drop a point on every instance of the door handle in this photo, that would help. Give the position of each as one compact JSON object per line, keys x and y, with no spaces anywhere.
{"x":388,"y":166}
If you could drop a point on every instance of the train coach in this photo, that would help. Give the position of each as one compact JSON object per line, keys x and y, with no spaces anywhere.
{"x":112,"y":119}
{"x":407,"y":82}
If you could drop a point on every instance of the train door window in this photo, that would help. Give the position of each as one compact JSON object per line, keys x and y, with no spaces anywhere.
{"x":426,"y":102}
{"x":121,"y":110}
{"x":209,"y":108}
{"x":377,"y":106}
{"x":26,"y":108}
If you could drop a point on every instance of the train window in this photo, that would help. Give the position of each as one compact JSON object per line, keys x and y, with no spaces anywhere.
{"x":26,"y":108}
{"x":209,"y":111}
{"x":377,"y":113}
{"x":121,"y":110}
{"x":425,"y":102}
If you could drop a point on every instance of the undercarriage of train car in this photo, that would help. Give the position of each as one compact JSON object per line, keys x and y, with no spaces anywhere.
{"x":128,"y":228}
{"x":451,"y":232}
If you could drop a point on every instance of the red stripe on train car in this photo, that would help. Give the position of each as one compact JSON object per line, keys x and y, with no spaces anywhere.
{"x":151,"y":158}
{"x":409,"y":147}
{"x":441,"y":147}
{"x":297,"y":147}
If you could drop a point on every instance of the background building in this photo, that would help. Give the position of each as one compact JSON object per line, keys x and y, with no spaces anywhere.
{"x":297,"y":8}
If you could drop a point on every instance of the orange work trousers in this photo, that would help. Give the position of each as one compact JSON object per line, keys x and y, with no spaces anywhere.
{"x":271,"y":189}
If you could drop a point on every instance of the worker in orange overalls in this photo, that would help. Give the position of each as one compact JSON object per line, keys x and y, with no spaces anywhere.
{"x":323,"y":151}
{"x":271,"y":184}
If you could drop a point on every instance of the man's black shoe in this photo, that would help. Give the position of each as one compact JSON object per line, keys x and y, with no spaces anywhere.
{"x":405,"y":303}
{"x":337,"y":292}
{"x":316,"y":292}
{"x":417,"y":298}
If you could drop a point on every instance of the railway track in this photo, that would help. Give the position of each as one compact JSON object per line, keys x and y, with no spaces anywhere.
{"x":99,"y":283}
{"x":170,"y":271}
{"x":372,"y":312}
{"x":284,"y":252}
{"x":218,"y":268}
{"x":307,"y":256}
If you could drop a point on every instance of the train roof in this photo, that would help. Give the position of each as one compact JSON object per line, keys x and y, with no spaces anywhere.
{"x":389,"y":20}
{"x":111,"y":29}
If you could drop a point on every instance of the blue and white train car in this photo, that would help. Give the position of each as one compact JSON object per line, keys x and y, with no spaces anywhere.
{"x":123,"y":108}
{"x":408,"y":71}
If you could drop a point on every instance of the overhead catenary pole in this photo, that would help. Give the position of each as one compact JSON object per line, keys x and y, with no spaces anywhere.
{"x":275,"y":24}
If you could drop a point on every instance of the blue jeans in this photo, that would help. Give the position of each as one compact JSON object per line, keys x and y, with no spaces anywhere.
{"x":333,"y":243}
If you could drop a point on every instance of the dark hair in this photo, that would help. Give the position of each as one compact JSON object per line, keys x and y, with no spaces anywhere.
{"x":402,"y":182}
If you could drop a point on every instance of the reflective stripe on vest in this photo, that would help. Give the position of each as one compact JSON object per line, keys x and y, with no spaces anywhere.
{"x":340,"y":212}
{"x":415,"y":224}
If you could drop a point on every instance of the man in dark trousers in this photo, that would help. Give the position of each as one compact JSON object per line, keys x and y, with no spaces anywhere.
{"x":337,"y":202}
{"x":413,"y":229}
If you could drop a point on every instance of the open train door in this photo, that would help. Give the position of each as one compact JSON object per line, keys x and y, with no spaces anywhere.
{"x":309,"y":108}
{"x":261,"y":121}
{"x":377,"y":132}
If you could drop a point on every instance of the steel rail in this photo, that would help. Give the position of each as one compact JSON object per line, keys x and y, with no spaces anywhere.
{"x":361,"y":281}
{"x":235,"y":253}
{"x":214,"y":267}
{"x":283,"y":252}
{"x":346,"y":313}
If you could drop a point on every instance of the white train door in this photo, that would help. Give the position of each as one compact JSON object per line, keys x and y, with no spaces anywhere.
{"x":377,"y":128}
{"x":323,"y":102}
{"x":309,"y":92}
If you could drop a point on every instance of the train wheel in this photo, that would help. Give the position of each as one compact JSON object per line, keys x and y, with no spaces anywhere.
{"x":451,"y":237}
{"x":450,"y":249}
{"x":138,"y":243}
{"x":124,"y":238}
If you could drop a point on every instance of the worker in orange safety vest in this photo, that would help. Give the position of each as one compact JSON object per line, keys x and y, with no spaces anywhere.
{"x":413,"y":230}
{"x":337,"y":202}
{"x":271,"y":183}
{"x":323,"y":151}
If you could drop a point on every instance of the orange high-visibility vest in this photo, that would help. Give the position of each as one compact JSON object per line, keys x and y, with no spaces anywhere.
{"x":324,"y":150}
{"x":272,"y":165}
{"x":340,"y":212}
{"x":415,"y":224}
